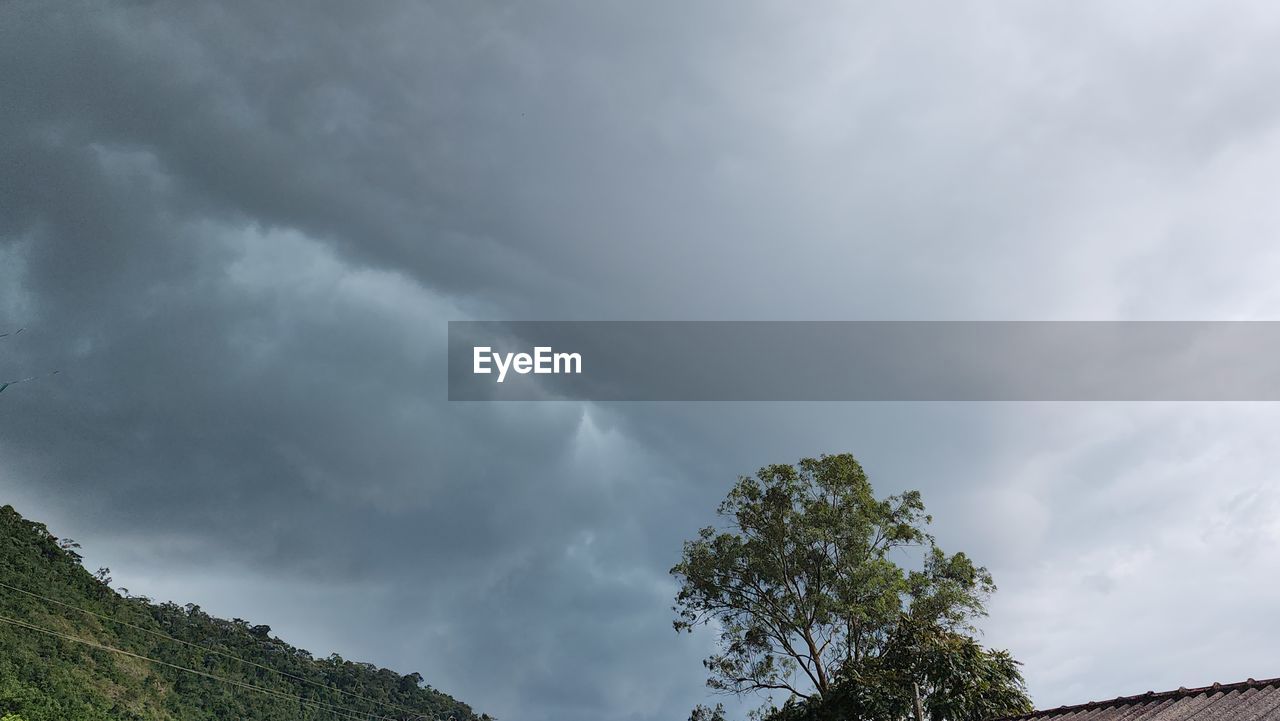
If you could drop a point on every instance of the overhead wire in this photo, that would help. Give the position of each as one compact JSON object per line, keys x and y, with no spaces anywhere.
{"x":201,"y":647}
{"x":6,"y":384}
{"x":340,"y":711}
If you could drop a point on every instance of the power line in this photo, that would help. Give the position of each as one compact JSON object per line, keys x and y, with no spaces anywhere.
{"x":334,"y":709}
{"x":6,"y":384}
{"x":224,"y":654}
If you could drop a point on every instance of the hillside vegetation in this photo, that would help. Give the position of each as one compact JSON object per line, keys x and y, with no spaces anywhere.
{"x":57,"y":662}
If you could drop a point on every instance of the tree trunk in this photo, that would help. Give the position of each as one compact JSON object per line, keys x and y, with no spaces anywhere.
{"x":918,"y":705}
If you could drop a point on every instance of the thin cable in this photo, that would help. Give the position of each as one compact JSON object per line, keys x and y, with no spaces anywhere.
{"x":337,"y":710}
{"x":224,"y":654}
{"x":6,"y":384}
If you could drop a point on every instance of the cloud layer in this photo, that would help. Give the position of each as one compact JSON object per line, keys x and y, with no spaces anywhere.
{"x":239,"y":233}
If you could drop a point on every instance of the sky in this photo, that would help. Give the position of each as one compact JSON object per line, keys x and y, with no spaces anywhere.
{"x":239,"y":230}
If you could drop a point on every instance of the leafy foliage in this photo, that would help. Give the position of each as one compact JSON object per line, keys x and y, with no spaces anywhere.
{"x":957,"y":679}
{"x":43,"y":678}
{"x":809,"y":600}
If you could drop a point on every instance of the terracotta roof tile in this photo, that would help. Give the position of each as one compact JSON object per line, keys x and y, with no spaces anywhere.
{"x":1244,"y":701}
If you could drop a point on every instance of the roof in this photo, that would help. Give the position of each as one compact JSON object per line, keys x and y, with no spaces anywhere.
{"x":1244,"y":701}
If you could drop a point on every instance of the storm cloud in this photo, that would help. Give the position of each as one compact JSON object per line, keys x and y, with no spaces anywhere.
{"x":239,"y":231}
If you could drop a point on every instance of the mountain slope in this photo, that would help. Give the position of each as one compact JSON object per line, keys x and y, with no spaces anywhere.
{"x":104,"y":656}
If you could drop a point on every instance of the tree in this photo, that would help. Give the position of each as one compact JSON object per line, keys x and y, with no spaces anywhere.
{"x":924,"y":673}
{"x":809,"y":600}
{"x":699,"y":713}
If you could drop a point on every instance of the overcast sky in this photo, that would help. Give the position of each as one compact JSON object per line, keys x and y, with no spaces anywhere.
{"x":239,"y":232}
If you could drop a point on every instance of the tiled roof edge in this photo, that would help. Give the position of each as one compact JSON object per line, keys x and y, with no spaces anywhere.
{"x":1183,"y":692}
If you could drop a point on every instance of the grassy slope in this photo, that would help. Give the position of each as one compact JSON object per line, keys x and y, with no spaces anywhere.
{"x":49,"y":679}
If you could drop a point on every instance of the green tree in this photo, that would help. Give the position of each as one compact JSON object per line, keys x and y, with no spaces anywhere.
{"x":809,"y":600}
{"x":699,"y":713}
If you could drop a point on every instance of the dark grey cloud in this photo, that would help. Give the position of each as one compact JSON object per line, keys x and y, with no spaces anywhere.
{"x":239,"y":232}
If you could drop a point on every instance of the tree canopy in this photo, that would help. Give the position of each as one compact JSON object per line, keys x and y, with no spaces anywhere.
{"x":842,"y":602}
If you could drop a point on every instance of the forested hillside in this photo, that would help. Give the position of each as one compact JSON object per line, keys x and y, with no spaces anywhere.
{"x":107,"y":656}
